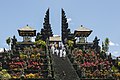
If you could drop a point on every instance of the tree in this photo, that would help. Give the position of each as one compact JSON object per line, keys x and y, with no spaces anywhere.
{"x":103,"y":46}
{"x":70,"y":43}
{"x":40,"y":43}
{"x":96,"y":44}
{"x":8,"y":41}
{"x":38,"y":37}
{"x":106,"y":44}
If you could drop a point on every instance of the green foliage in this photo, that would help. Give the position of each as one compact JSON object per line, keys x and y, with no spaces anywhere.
{"x":107,"y":41}
{"x":114,"y":69}
{"x":8,"y":40}
{"x":105,"y":45}
{"x":40,"y":43}
{"x":5,"y":75}
{"x":118,"y":63}
{"x":38,"y":37}
{"x":70,"y":43}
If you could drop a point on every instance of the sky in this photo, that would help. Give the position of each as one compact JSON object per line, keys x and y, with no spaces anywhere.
{"x":101,"y":16}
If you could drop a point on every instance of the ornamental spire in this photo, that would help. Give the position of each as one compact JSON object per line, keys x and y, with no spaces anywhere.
{"x":64,"y":26}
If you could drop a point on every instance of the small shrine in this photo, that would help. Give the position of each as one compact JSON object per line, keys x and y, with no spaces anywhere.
{"x":27,"y":33}
{"x":81,"y":34}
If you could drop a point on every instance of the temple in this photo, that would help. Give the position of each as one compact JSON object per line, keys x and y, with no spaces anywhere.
{"x":75,"y":58}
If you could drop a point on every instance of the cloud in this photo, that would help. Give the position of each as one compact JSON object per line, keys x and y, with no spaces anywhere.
{"x":115,"y":53}
{"x":113,"y":44}
{"x":1,"y":49}
{"x":69,"y":20}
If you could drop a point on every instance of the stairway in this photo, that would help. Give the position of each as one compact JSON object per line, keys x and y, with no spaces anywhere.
{"x":63,"y":69}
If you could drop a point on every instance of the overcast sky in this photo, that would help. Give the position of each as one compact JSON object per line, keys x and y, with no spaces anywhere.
{"x":102,"y":16}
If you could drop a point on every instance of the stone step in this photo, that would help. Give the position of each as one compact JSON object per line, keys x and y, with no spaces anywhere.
{"x":64,"y":69}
